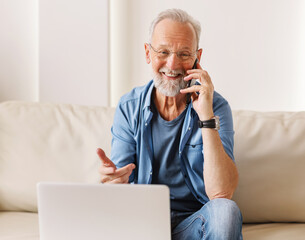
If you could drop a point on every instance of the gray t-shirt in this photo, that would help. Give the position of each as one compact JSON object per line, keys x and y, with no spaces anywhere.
{"x":166,"y":162}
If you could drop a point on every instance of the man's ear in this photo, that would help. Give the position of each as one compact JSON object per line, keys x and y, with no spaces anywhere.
{"x":147,"y":53}
{"x":199,"y":53}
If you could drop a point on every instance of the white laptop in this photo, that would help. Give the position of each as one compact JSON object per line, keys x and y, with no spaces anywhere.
{"x":72,"y":211}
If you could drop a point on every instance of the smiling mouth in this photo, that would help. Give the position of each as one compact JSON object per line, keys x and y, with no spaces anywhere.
{"x":172,"y":75}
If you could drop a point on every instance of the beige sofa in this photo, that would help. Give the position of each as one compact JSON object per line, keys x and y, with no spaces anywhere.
{"x":49,"y":142}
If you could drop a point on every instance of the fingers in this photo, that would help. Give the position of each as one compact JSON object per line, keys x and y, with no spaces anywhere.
{"x":127,"y":170}
{"x":106,"y":170}
{"x":199,"y":74}
{"x":119,"y":176}
{"x":204,"y":79}
{"x":122,"y":179}
{"x":192,"y":89}
{"x":105,"y":160}
{"x":109,"y":172}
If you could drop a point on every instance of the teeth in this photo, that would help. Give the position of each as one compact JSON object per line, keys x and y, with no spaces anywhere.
{"x":171,"y":75}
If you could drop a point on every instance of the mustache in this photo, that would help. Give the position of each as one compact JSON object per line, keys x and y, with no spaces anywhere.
{"x":174,"y":72}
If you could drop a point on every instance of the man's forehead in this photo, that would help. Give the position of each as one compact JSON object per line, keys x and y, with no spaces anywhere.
{"x":168,"y":46}
{"x":169,"y":24}
{"x":168,"y":31}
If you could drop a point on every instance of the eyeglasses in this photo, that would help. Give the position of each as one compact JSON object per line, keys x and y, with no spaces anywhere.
{"x":165,"y":53}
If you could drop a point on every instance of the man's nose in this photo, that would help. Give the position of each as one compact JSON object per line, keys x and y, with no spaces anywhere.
{"x":173,"y":62}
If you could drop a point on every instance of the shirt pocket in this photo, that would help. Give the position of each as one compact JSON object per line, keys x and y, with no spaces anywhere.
{"x":193,"y":159}
{"x":194,"y":155}
{"x":194,"y":147}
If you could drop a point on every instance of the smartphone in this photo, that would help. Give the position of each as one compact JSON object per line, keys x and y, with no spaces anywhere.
{"x":191,"y":83}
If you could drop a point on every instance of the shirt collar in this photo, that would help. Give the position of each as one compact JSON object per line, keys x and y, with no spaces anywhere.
{"x":147,"y":101}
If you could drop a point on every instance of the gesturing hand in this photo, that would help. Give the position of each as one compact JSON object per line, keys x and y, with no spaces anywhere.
{"x":108,"y":171}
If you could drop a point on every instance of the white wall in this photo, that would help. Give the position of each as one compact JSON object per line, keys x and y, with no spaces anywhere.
{"x":18,"y":50}
{"x":73,"y":51}
{"x":253,"y":50}
{"x":54,"y":51}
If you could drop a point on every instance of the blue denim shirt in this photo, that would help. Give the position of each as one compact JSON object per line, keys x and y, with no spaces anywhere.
{"x":132,"y":138}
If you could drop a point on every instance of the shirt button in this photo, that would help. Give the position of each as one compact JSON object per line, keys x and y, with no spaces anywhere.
{"x":189,"y":128}
{"x":150,"y":173}
{"x":145,"y":124}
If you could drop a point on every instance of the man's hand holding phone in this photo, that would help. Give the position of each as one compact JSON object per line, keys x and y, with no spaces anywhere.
{"x":108,"y":171}
{"x":202,"y":102}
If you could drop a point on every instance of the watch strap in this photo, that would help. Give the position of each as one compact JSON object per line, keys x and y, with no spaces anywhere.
{"x":212,"y":123}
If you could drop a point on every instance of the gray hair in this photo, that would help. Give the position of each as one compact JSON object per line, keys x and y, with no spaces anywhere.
{"x":177,"y":15}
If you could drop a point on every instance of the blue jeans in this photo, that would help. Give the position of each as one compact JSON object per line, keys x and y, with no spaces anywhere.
{"x":218,"y":219}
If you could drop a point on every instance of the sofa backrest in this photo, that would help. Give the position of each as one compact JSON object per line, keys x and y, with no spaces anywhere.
{"x":270,"y":156}
{"x":48,"y":142}
{"x":56,"y":142}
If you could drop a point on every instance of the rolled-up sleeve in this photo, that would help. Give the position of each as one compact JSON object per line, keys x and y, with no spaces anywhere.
{"x":123,"y":145}
{"x":226,"y":131}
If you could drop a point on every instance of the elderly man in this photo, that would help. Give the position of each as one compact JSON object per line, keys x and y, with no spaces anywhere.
{"x":167,"y":132}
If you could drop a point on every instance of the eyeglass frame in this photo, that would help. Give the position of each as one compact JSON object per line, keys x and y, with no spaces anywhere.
{"x":171,"y":52}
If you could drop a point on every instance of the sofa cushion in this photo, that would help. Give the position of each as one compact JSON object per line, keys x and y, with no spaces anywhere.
{"x":48,"y":142}
{"x":24,"y":226}
{"x":57,"y":142}
{"x":274,"y":231}
{"x":270,"y":156}
{"x":19,"y":226}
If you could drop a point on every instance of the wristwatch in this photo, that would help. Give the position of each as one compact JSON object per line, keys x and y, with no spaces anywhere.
{"x":212,"y":123}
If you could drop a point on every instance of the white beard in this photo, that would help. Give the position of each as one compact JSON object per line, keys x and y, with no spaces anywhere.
{"x":169,"y":88}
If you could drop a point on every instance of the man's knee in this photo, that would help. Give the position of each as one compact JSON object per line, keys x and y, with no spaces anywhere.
{"x":223,"y":208}
{"x":224,"y":219}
